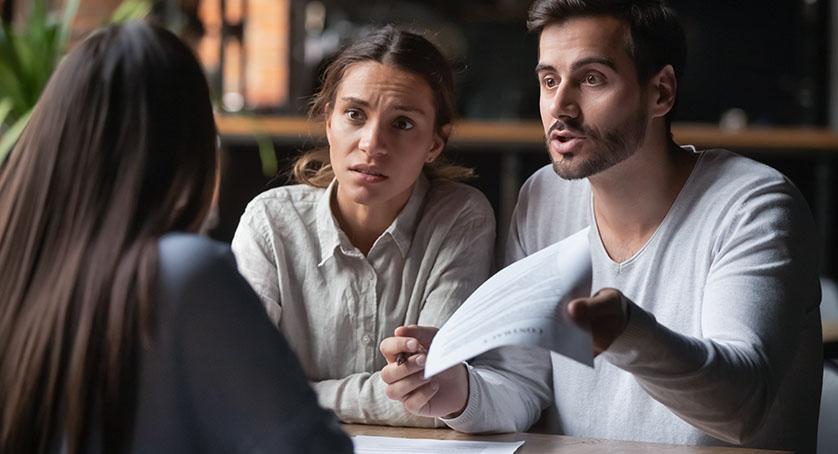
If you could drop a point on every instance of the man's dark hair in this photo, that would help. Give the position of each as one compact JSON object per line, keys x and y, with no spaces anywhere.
{"x":656,"y":38}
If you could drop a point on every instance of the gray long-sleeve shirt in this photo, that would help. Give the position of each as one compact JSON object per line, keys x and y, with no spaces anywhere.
{"x":723,"y":343}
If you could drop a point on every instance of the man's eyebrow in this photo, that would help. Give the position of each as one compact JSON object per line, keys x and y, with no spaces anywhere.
{"x":591,"y":61}
{"x":578,"y":64}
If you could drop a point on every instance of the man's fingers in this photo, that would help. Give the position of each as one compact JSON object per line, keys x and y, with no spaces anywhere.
{"x":578,"y":310}
{"x":605,"y":303}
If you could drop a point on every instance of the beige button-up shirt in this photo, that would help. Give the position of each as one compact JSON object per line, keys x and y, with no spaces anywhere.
{"x":334,"y":305}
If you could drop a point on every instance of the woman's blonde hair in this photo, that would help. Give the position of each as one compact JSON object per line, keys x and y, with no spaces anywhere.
{"x":402,"y":50}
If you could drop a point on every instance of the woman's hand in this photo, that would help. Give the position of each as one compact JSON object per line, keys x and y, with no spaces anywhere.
{"x":443,"y":395}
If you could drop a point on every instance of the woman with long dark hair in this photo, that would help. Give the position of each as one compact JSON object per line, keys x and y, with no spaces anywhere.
{"x":119,"y":330}
{"x":379,"y":233}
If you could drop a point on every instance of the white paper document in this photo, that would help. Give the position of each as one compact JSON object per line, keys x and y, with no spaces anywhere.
{"x":379,"y":445}
{"x":523,"y":304}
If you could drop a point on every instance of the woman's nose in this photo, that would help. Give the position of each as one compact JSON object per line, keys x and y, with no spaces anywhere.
{"x":372,"y":140}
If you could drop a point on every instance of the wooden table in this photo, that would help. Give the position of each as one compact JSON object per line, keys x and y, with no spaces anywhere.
{"x":543,"y":444}
{"x":830,"y":331}
{"x":830,"y":339}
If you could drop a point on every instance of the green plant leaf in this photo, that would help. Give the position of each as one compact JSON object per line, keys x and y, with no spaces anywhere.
{"x":10,"y":88}
{"x":267,"y":155}
{"x":131,"y":9}
{"x":6,"y":105}
{"x":12,"y":134}
{"x":70,"y":9}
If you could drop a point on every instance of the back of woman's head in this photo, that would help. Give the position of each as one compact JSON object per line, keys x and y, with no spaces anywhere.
{"x":120,"y":149}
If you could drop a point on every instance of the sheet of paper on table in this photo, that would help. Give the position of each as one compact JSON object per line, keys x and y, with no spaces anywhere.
{"x":523,"y":304}
{"x":378,"y":445}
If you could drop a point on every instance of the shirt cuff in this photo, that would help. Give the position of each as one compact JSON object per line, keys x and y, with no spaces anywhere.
{"x":472,"y":405}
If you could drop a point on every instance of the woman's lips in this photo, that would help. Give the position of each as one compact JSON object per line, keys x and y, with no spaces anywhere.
{"x":368,"y":174}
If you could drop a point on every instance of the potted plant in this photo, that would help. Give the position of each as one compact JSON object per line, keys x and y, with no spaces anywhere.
{"x":28,"y":57}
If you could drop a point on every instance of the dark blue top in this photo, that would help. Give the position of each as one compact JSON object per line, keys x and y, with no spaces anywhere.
{"x":218,"y":376}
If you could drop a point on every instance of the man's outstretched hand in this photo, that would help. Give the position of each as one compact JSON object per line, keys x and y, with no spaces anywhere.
{"x":606,"y":313}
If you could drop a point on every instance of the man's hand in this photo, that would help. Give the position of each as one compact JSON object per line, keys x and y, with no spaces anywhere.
{"x":443,"y":395}
{"x":606,"y":313}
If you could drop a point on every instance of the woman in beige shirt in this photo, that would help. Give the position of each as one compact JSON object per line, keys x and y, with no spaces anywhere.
{"x":378,"y":234}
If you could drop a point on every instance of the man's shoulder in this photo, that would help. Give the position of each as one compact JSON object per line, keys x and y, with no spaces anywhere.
{"x":545,"y":180}
{"x":549,"y":209}
{"x":728,"y":191}
{"x":458,"y":199}
{"x":726,"y":168}
{"x":545,"y":192}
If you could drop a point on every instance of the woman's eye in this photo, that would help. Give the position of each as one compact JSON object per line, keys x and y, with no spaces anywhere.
{"x":353,"y":114}
{"x":404,"y":124}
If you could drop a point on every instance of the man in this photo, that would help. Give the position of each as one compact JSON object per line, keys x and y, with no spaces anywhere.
{"x":706,"y":320}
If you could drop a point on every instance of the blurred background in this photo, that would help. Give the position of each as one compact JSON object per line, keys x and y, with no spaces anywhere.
{"x":761,"y":79}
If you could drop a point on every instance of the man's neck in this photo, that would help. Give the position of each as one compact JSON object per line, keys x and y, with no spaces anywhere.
{"x":632,"y":198}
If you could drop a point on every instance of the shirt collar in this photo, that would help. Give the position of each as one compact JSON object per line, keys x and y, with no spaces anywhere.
{"x":328,"y":230}
{"x":401,"y":230}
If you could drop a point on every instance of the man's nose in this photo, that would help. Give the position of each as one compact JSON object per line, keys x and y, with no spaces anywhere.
{"x":564,"y":103}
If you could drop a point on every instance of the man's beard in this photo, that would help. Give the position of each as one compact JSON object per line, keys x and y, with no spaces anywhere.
{"x":606,"y":148}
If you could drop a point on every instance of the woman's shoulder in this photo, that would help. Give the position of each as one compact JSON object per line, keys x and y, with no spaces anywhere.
{"x":458,"y":199}
{"x":187,"y":262}
{"x":294,"y":196}
{"x":186,"y":250}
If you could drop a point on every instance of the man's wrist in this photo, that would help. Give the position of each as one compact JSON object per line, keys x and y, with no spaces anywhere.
{"x":464,"y":371}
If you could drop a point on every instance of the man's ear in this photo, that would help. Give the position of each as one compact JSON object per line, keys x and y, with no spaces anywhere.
{"x":440,"y":139}
{"x":663,"y":88}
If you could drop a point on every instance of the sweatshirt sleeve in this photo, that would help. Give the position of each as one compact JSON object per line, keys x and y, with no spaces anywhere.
{"x":508,"y":386}
{"x":759,"y":310}
{"x":508,"y":389}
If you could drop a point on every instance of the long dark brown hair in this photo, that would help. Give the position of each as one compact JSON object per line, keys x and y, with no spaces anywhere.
{"x":120,"y":149}
{"x":402,"y":50}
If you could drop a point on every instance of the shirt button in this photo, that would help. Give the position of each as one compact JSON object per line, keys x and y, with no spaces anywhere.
{"x":366,"y":339}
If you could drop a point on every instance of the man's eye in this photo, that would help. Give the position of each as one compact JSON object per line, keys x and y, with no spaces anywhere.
{"x":593,"y":79}
{"x":403,"y":123}
{"x":549,"y":82}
